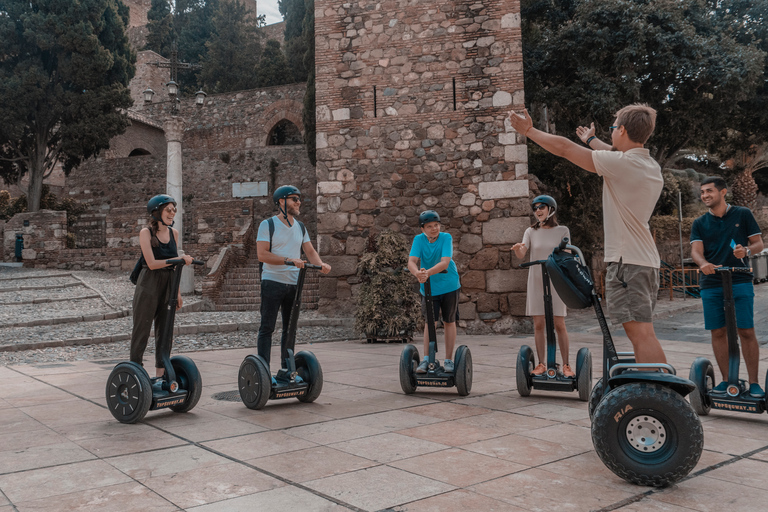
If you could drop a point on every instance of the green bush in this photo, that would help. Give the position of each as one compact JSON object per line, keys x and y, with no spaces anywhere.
{"x":388,"y":305}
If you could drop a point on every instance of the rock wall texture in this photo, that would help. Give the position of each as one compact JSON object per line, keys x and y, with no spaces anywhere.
{"x":411,"y":104}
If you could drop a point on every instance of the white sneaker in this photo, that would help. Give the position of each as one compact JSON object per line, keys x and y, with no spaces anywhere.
{"x":422,"y":368}
{"x":448,"y":365}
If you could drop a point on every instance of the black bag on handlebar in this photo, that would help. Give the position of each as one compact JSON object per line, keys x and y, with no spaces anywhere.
{"x":571,"y":279}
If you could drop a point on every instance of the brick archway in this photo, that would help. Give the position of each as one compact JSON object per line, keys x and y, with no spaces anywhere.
{"x":279,"y":110}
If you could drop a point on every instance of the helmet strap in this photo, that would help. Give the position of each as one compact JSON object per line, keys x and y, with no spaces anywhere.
{"x":284,"y":211}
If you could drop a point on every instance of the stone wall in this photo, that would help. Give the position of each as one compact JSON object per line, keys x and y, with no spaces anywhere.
{"x":411,"y":102}
{"x":149,"y":77}
{"x":45,"y":234}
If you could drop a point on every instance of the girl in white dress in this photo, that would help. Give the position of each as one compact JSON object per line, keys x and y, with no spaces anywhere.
{"x":543,"y":236}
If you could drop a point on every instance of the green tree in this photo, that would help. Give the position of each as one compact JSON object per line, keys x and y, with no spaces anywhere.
{"x":585,"y":59}
{"x":308,"y":115}
{"x":160,"y":27}
{"x":232,"y":50}
{"x":64,"y":73}
{"x":295,"y":13}
{"x":272,"y":68}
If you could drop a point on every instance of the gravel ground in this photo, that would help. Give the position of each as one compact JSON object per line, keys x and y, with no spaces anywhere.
{"x":116,"y":294}
{"x":207,"y":341}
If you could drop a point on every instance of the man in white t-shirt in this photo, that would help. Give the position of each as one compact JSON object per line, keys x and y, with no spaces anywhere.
{"x":278,"y":276}
{"x":632,"y":184}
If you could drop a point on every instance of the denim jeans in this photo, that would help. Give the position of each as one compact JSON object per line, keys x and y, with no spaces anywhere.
{"x":275,"y":296}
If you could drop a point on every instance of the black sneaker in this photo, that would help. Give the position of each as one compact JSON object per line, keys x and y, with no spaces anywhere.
{"x":423,"y":365}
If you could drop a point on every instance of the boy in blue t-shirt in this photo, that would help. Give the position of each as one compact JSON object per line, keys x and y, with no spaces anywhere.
{"x":431,"y":253}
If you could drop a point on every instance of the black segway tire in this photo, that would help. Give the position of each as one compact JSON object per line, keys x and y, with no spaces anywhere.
{"x":188,"y":377}
{"x":703,"y":375}
{"x":523,"y":371}
{"x":463,"y":370}
{"x":409,"y":360}
{"x":584,"y":374}
{"x":594,"y":397}
{"x":254,"y":382}
{"x":308,"y":368}
{"x":647,"y":434}
{"x":129,"y":392}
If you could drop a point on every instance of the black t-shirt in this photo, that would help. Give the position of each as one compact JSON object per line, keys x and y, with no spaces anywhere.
{"x":716,"y":233}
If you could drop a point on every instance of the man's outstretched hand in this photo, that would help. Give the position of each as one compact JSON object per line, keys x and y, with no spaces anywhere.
{"x":521,"y":124}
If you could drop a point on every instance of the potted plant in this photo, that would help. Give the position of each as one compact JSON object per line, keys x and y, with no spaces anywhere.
{"x":388,"y":306}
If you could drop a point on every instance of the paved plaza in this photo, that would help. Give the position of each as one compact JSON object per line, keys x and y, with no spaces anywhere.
{"x":363,"y":445}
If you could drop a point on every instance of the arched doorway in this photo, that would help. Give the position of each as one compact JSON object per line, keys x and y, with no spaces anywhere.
{"x":139,"y":152}
{"x":284,"y":133}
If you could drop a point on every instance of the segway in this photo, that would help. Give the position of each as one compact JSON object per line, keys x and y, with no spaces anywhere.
{"x":736,"y":397}
{"x":643,"y":429}
{"x":302,"y":377}
{"x":552,"y":379}
{"x":131,"y":393}
{"x":436,"y":376}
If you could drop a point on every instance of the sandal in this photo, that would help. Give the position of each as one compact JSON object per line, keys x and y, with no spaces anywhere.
{"x":567,"y":372}
{"x":539,"y":370}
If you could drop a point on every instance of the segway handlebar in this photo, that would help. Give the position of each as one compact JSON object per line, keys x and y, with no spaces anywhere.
{"x":306,"y":265}
{"x":564,"y":244}
{"x":530,"y":263}
{"x":745,"y":270}
{"x":177,"y":261}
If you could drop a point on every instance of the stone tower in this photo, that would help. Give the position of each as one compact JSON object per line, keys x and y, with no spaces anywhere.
{"x":412,"y":97}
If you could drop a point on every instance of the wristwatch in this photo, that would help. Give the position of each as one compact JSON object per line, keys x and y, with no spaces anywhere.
{"x":749,"y":253}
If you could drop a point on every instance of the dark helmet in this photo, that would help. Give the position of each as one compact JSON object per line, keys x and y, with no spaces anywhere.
{"x":157,"y":203}
{"x":285,"y":191}
{"x":547,"y":200}
{"x":428,"y":216}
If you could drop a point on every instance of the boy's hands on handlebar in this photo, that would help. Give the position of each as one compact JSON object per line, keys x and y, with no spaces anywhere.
{"x":422,"y":275}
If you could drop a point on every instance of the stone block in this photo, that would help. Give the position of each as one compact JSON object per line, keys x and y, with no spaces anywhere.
{"x":487,"y":302}
{"x":356,"y":245}
{"x":468,"y":311}
{"x":485,"y":259}
{"x":328,"y":288}
{"x":468,"y":199}
{"x":341,"y":265}
{"x":333,"y":222}
{"x":474,"y":279}
{"x":506,"y":281}
{"x":503,"y":189}
{"x":502,"y":99}
{"x":516,"y":153}
{"x":341,"y":114}
{"x":470,"y":243}
{"x":505,"y":230}
{"x":516,"y":304}
{"x":511,"y":20}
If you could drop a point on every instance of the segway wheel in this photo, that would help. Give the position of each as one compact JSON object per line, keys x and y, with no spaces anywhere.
{"x":703,"y":375}
{"x":409,"y":360}
{"x":129,"y":392}
{"x":254,"y":382}
{"x":188,"y":377}
{"x":524,"y":369}
{"x":594,"y":397}
{"x":647,"y":434}
{"x":584,"y":374}
{"x":463,"y":373}
{"x":309,"y":369}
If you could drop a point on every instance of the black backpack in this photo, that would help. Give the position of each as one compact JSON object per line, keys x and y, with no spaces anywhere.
{"x":271,"y":224}
{"x":571,"y":279}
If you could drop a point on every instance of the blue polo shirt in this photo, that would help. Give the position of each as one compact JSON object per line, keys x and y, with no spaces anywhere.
{"x":716,"y":233}
{"x":430,"y":255}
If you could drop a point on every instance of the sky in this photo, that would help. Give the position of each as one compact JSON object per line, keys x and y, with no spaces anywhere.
{"x":269,"y":9}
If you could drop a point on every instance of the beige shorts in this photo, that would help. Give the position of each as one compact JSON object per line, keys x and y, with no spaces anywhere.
{"x":631,"y":291}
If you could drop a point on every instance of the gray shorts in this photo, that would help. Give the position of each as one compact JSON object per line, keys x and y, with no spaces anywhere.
{"x":631,"y":291}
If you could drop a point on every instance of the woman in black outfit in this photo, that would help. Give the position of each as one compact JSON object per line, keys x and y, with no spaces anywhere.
{"x":150,"y":301}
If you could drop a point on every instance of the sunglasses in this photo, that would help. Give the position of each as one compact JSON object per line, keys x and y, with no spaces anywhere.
{"x":537,"y":207}
{"x":295,"y":199}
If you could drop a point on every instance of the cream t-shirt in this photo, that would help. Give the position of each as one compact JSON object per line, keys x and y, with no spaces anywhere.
{"x":632,"y":184}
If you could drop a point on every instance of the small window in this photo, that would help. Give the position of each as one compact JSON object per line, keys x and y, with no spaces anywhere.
{"x":285,"y":133}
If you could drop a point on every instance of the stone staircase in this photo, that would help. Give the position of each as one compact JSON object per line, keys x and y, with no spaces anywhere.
{"x":240,"y":288}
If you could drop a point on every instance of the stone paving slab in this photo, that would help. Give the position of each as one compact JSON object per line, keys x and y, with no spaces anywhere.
{"x":363,"y":445}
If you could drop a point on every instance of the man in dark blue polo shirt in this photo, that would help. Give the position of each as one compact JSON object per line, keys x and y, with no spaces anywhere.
{"x":726,"y":236}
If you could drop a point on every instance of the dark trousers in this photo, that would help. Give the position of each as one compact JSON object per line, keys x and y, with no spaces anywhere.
{"x":275,"y":296}
{"x":150,"y":304}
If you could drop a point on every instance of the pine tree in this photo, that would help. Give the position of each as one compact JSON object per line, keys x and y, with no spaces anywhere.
{"x":272,"y":68}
